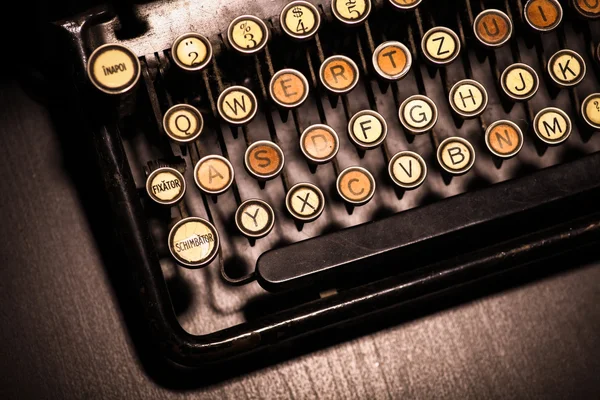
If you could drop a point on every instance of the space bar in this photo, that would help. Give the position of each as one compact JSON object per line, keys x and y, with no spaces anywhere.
{"x":425,"y":232}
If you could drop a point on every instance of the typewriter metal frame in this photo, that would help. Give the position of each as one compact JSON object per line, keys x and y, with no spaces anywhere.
{"x":572,"y":186}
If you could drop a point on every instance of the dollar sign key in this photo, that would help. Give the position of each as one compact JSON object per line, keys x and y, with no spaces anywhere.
{"x":297,"y":12}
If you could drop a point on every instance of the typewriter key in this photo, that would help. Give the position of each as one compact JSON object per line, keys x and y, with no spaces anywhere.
{"x":405,"y":4}
{"x":566,"y":68}
{"x":418,"y":114}
{"x":468,"y":98}
{"x":351,"y":12}
{"x":493,"y":28}
{"x":392,"y":60}
{"x":440,"y":45}
{"x":543,"y":15}
{"x":504,"y":138}
{"x":520,"y":82}
{"x":588,"y":8}
{"x":237,"y":105}
{"x":339,"y":74}
{"x":191,"y":51}
{"x":288,"y":88}
{"x":165,"y":186}
{"x":590,"y":110}
{"x":552,"y":125}
{"x":248,"y":34}
{"x":407,"y":169}
{"x":305,"y":202}
{"x":367,"y":129}
{"x":255,"y":218}
{"x":319,"y":143}
{"x":183,"y":123}
{"x":193,"y":242}
{"x":264,"y":160}
{"x":213,"y":174}
{"x":113,"y":69}
{"x":456,"y":155}
{"x":356,"y":185}
{"x":300,"y":20}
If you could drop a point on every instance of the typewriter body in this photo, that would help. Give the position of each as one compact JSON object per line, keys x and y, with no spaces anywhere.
{"x":323,"y":162}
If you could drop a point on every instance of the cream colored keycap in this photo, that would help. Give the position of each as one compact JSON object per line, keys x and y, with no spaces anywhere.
{"x":113,"y":69}
{"x":255,"y":218}
{"x":213,"y":174}
{"x":440,"y":45}
{"x":165,"y":186}
{"x":456,"y":155}
{"x":468,"y":98}
{"x":356,"y":185}
{"x":520,"y":82}
{"x":319,"y":143}
{"x":183,"y":123}
{"x":305,"y":202}
{"x":590,"y":110}
{"x":339,"y":74}
{"x":264,"y":160}
{"x":407,"y":169}
{"x":566,"y":68}
{"x":418,"y":114}
{"x":552,"y":126}
{"x":351,"y":12}
{"x":248,"y":34}
{"x":405,"y":4}
{"x":504,"y":138}
{"x":300,"y":20}
{"x":191,"y":51}
{"x":288,"y":88}
{"x":392,"y":60}
{"x":193,"y":242}
{"x":543,"y":15}
{"x":367,"y":129}
{"x":493,"y":28}
{"x":237,"y":105}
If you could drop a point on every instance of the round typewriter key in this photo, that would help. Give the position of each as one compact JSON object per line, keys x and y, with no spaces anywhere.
{"x":237,"y":105}
{"x":305,"y":202}
{"x":493,"y":28}
{"x":113,"y":69}
{"x":418,"y":114}
{"x":588,"y":8}
{"x":407,"y":169}
{"x":351,"y":12}
{"x":566,"y":68}
{"x":165,"y":186}
{"x":543,"y":15}
{"x":405,"y":4}
{"x":440,"y":45}
{"x":468,"y":98}
{"x":288,"y":88}
{"x":183,"y":123}
{"x":520,"y":82}
{"x":255,"y":218}
{"x":319,"y":143}
{"x":339,"y":74}
{"x":590,"y":110}
{"x":456,"y":155}
{"x":300,"y":20}
{"x":367,"y":129}
{"x":193,"y":242}
{"x":552,"y":126}
{"x":248,"y":34}
{"x":504,"y":138}
{"x":213,"y":174}
{"x":356,"y":185}
{"x":191,"y":51}
{"x":264,"y":160}
{"x":392,"y":60}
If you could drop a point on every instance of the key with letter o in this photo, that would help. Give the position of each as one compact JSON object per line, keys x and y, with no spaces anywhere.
{"x":407,"y":169}
{"x":183,"y":123}
{"x":194,"y":242}
{"x":288,"y":88}
{"x":468,"y":98}
{"x":590,"y":110}
{"x":264,"y":160}
{"x":552,"y":126}
{"x":339,"y":74}
{"x":300,"y":20}
{"x":351,"y":12}
{"x":356,"y":185}
{"x":456,"y":155}
{"x":392,"y":60}
{"x":504,"y":138}
{"x":191,"y":52}
{"x":520,"y":82}
{"x":113,"y":69}
{"x":319,"y":143}
{"x":237,"y":105}
{"x":165,"y":186}
{"x":418,"y":114}
{"x":248,"y":34}
{"x":566,"y":68}
{"x":213,"y":174}
{"x":367,"y":129}
{"x":493,"y":28}
{"x":255,"y":218}
{"x":305,"y":202}
{"x":543,"y":15}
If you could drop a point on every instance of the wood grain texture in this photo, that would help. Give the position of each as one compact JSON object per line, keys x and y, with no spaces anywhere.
{"x":65,"y":335}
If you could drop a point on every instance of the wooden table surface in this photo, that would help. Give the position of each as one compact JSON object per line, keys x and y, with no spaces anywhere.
{"x":67,"y":332}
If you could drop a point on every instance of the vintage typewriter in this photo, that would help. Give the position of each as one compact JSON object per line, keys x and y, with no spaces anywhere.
{"x":319,"y":163}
